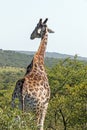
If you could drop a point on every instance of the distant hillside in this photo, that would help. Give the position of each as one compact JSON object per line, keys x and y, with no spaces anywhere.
{"x":54,"y":55}
{"x":23,"y":58}
{"x":15,"y":59}
{"x":19,"y":59}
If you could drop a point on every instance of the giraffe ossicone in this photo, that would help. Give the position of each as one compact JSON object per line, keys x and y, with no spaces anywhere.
{"x":34,"y":92}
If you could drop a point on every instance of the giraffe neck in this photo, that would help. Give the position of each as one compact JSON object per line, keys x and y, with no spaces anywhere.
{"x":42,"y":48}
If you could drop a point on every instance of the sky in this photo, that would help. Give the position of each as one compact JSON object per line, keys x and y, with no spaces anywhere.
{"x":68,"y":18}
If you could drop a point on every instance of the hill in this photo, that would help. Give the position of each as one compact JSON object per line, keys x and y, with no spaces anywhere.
{"x":23,"y":58}
{"x":54,"y":55}
{"x":19,"y":59}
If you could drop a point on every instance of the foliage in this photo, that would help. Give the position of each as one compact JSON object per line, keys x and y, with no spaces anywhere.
{"x":9,"y":75}
{"x":12,"y":119}
{"x":68,"y":104}
{"x":16,"y":120}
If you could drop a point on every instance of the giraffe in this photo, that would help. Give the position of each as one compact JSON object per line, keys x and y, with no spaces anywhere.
{"x":35,"y":92}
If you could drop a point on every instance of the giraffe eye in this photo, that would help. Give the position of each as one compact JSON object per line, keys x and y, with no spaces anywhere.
{"x":39,"y":31}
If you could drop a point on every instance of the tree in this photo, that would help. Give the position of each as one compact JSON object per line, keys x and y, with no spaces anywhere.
{"x":68,"y":81}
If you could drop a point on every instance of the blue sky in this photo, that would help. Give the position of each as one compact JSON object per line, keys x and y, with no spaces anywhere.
{"x":68,"y":18}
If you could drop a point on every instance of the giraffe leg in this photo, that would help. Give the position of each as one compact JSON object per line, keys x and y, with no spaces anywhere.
{"x":41,"y":117}
{"x":13,"y":104}
{"x":23,"y":104}
{"x":20,"y":104}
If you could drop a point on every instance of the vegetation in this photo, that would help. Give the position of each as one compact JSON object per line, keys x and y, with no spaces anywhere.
{"x":68,"y":104}
{"x":14,"y":59}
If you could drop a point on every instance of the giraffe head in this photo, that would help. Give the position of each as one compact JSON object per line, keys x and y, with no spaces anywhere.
{"x":40,"y":29}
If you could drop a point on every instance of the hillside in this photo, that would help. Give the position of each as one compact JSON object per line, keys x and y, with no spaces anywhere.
{"x":14,"y":59}
{"x":18,"y":59}
{"x":55,"y":55}
{"x":23,"y":58}
{"x":48,"y":54}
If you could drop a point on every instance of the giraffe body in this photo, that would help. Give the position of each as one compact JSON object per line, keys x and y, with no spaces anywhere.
{"x":35,"y":92}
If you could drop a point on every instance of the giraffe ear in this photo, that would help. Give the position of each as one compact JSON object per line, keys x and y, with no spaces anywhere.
{"x":50,"y":30}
